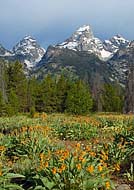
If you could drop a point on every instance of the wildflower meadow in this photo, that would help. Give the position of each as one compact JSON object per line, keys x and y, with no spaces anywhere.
{"x":65,"y":152}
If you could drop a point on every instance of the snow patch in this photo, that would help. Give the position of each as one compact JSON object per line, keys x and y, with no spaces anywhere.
{"x":84,"y":28}
{"x":105,"y":54}
{"x":69,"y":45}
{"x":28,"y":64}
{"x":6,"y":54}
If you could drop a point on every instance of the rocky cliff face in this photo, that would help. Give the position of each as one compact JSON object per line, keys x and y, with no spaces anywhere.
{"x":120,"y":62}
{"x":4,"y":52}
{"x":73,"y":64}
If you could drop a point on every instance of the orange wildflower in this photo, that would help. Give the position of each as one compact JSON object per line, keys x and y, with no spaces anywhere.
{"x":54,"y":170}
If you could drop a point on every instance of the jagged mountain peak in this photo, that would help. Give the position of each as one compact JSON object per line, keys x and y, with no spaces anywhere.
{"x":119,"y":40}
{"x":83,"y":40}
{"x":29,"y":50}
{"x":84,"y":28}
{"x":81,"y":35}
{"x":28,"y":37}
{"x":87,"y":29}
{"x":115,"y":43}
{"x":27,"y":41}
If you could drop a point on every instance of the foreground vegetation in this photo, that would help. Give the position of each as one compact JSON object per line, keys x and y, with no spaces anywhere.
{"x":57,"y":151}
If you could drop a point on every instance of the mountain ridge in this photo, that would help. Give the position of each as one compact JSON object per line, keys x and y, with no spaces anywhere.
{"x":81,"y":51}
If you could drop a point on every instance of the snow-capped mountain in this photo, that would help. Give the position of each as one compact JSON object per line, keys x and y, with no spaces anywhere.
{"x":84,"y":40}
{"x":29,"y":51}
{"x":82,"y":54}
{"x":79,"y":40}
{"x":4,"y":52}
{"x":115,"y":43}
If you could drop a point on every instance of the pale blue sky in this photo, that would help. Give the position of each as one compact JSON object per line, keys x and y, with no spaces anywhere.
{"x":52,"y":21}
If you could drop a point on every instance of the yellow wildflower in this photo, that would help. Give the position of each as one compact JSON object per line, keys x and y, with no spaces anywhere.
{"x":62,"y":168}
{"x":78,"y":166}
{"x":2,"y":148}
{"x":0,"y":173}
{"x":46,"y":164}
{"x":100,"y":168}
{"x":93,"y":154}
{"x":90,"y":169}
{"x":83,"y":160}
{"x":41,"y":156}
{"x":88,"y":148}
{"x":117,"y":167}
{"x":107,"y":184}
{"x":78,"y":146}
{"x":104,"y":156}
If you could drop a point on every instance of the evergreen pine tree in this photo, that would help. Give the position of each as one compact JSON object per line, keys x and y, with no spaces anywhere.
{"x":13,"y":104}
{"x":2,"y":105}
{"x":112,"y":98}
{"x":79,"y":100}
{"x":61,"y":93}
{"x":46,"y":97}
{"x":3,"y":80}
{"x":32,"y":88}
{"x":17,"y":84}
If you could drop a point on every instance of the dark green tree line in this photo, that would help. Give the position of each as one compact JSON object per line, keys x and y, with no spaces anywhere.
{"x":19,"y":93}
